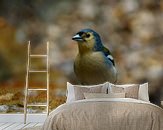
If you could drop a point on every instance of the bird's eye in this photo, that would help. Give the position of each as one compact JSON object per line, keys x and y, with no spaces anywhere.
{"x":87,"y":35}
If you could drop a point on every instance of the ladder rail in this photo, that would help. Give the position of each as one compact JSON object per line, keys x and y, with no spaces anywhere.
{"x":27,"y":84}
{"x":47,"y":78}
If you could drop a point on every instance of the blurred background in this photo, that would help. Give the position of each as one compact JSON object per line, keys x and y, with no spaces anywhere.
{"x":131,"y":29}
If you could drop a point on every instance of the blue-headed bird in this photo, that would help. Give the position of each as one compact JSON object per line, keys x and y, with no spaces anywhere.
{"x":94,"y":63}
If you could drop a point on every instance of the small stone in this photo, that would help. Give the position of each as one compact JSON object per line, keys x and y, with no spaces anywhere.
{"x":4,"y":108}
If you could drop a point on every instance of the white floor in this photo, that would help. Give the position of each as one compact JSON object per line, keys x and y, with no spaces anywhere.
{"x":16,"y":121}
{"x":17,"y":126}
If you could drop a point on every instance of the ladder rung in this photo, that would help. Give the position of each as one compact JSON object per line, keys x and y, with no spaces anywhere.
{"x":39,"y":105}
{"x":44,"y":112}
{"x":36,"y":56}
{"x":37,"y":89}
{"x":39,"y":71}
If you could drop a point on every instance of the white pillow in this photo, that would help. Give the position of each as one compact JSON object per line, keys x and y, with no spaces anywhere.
{"x":103,"y":95}
{"x":71,"y":93}
{"x":143,"y":93}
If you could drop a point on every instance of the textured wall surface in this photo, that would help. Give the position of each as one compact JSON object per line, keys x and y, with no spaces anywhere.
{"x":132,"y":29}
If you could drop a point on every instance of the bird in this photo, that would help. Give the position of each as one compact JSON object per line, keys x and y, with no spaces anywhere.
{"x":94,"y":63}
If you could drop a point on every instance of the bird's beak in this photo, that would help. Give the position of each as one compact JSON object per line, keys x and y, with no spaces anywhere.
{"x":77,"y":37}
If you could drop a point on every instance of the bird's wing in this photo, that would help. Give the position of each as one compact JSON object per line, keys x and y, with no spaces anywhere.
{"x":108,"y":55}
{"x":110,"y":58}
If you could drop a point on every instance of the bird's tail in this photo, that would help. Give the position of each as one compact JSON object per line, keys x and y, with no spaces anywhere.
{"x":116,"y":77}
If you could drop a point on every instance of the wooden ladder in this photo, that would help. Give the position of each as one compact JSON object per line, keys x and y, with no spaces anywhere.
{"x":27,"y":89}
